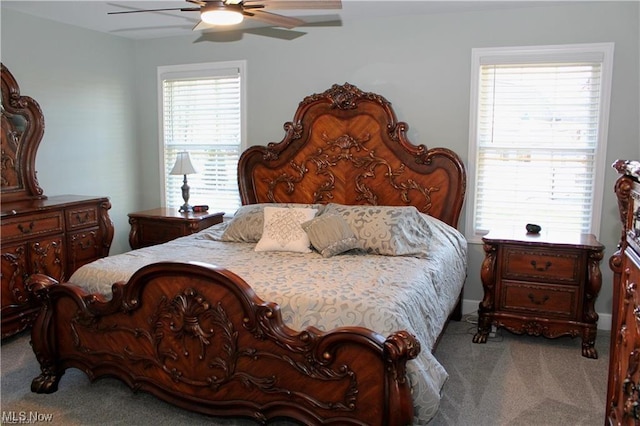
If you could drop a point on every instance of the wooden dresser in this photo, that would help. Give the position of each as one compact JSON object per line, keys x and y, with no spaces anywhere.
{"x":623,"y":390}
{"x":541,"y":284}
{"x":52,"y":236}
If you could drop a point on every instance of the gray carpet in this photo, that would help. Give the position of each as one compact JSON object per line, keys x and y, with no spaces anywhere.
{"x":521,"y":380}
{"x":510,"y":380}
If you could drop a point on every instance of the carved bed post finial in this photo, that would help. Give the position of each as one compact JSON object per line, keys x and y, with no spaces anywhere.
{"x":343,"y":97}
{"x":399,"y":348}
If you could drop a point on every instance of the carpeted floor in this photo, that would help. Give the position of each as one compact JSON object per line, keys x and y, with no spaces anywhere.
{"x":521,"y":380}
{"x":510,"y":380}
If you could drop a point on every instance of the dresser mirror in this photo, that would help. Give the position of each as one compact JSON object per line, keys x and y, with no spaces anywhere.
{"x":22,"y":130}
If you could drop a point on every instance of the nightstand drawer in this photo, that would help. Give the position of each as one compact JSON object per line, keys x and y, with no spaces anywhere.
{"x":160,"y":232}
{"x":532,"y":264}
{"x":82,"y":217}
{"x":549,"y":300}
{"x":13,"y":229}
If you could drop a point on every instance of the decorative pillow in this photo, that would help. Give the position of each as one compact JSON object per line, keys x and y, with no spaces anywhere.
{"x":247,"y":224}
{"x":283,"y":229}
{"x":387,"y":230}
{"x":330,"y":234}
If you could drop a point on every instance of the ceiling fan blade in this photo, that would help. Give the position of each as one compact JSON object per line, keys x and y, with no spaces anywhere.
{"x":235,"y":35}
{"x":182,"y":9}
{"x":275,"y":33}
{"x":297,"y":4}
{"x":252,"y":6}
{"x":273,"y":19}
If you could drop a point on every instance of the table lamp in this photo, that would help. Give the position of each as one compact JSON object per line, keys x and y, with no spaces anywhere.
{"x":184,"y":167}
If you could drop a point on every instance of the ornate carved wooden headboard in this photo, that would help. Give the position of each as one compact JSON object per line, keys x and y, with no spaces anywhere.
{"x":22,"y":130}
{"x":346,"y":146}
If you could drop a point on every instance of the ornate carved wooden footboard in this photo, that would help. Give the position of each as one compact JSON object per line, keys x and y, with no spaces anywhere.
{"x":197,"y":336}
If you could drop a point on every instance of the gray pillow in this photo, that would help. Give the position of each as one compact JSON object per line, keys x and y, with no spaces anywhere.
{"x":387,"y":230}
{"x":330,"y":235}
{"x":247,"y":224}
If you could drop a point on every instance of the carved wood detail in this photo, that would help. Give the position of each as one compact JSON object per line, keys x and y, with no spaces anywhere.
{"x":194,"y":341}
{"x":346,"y":146}
{"x":22,"y":131}
{"x":623,"y":390}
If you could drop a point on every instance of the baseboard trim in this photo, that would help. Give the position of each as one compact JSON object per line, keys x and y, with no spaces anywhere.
{"x":471,"y":307}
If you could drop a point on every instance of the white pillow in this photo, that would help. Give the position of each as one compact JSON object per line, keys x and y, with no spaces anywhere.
{"x":283,"y":229}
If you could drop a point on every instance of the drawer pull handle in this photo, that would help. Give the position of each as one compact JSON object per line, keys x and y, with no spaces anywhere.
{"x":538,"y":302}
{"x":81,"y":220}
{"x":26,"y":230}
{"x":544,"y":268}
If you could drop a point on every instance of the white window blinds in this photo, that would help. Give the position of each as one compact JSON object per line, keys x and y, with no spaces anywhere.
{"x":538,"y":143}
{"x":202,"y":114}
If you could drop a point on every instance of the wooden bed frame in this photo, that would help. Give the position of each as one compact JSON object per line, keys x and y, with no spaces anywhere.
{"x":197,"y":335}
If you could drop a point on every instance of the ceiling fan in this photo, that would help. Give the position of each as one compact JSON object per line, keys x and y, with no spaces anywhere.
{"x":231,"y":12}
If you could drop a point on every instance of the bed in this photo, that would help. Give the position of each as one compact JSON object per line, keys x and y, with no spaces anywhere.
{"x":320,"y":301}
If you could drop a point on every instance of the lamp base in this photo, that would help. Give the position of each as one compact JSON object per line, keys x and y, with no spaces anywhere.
{"x":186,"y":208}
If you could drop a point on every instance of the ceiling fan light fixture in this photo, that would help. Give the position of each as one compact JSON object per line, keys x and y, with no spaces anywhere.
{"x":221,"y":14}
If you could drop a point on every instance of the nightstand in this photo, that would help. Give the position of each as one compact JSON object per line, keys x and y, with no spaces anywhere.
{"x":541,"y":284}
{"x":160,"y":225}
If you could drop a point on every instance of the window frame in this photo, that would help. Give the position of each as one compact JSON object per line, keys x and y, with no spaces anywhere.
{"x":538,"y":54}
{"x":204,"y":70}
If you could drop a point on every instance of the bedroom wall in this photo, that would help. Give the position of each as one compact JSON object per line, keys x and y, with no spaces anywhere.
{"x":83,"y":81}
{"x":419,"y":63}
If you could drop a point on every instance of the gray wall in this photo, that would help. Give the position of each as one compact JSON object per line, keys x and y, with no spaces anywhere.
{"x":419,"y":63}
{"x":83,"y":81}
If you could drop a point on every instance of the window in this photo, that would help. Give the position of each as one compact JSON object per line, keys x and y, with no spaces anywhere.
{"x":202,"y":112}
{"x":538,"y":127}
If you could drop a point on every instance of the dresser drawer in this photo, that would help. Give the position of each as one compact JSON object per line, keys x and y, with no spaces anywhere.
{"x":83,"y":247}
{"x":535,"y":264}
{"x":26,"y":227}
{"x":544,"y":299}
{"x":82,"y":217}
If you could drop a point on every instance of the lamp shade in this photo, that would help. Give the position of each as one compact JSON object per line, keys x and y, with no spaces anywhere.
{"x":183,"y":165}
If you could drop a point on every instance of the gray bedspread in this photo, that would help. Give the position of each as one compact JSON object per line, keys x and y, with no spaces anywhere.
{"x":382,"y":293}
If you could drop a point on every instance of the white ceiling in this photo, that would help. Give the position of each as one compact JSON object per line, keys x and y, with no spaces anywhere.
{"x":93,"y":15}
